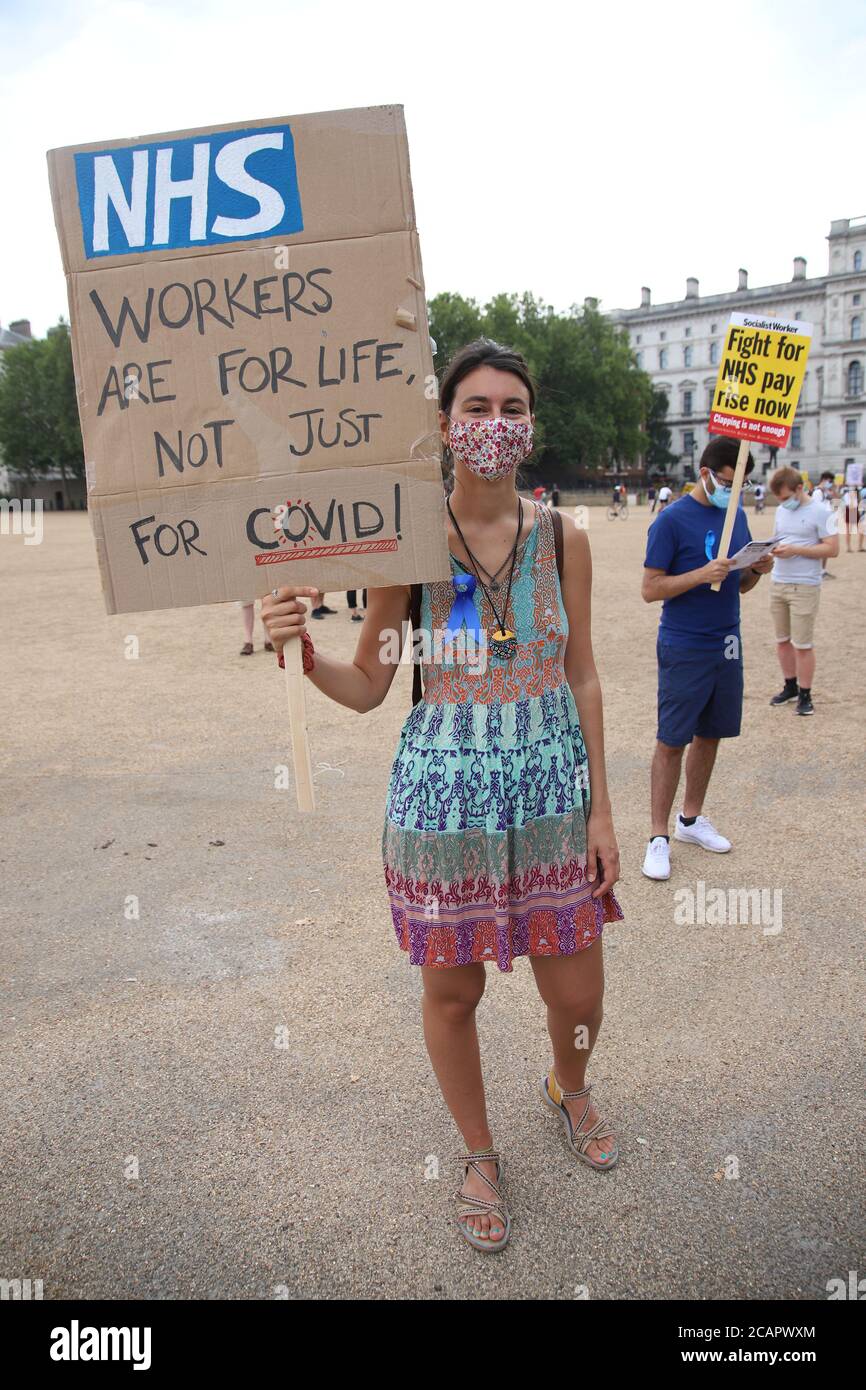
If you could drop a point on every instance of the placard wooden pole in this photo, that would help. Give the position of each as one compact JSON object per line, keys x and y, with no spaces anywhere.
{"x":733,"y":503}
{"x":293,"y":656}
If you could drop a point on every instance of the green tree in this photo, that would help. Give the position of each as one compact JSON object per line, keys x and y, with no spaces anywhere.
{"x":658,"y":450}
{"x":592,"y":398}
{"x":39,"y":425}
{"x":453,"y":322}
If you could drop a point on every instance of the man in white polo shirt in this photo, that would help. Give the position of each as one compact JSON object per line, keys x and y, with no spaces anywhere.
{"x":808,"y":533}
{"x":665,"y":496}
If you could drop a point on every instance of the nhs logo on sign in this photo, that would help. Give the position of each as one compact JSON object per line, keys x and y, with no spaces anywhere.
{"x":234,"y":185}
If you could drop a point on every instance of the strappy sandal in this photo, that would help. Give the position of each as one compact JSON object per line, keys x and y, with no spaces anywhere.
{"x":482,"y":1206}
{"x":578,"y":1139}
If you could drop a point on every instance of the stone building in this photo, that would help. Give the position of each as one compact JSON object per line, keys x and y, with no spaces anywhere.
{"x":679,"y":344}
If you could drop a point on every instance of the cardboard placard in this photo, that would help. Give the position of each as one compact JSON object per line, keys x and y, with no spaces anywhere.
{"x":252,"y":358}
{"x":760,"y":378}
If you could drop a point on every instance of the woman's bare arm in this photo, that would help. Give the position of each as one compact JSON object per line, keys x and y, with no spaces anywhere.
{"x":362,"y":683}
{"x":580,"y":669}
{"x":582,"y":676}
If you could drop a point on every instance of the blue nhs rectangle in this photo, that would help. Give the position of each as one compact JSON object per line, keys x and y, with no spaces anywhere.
{"x":203,"y":190}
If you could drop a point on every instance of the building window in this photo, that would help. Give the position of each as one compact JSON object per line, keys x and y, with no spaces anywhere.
{"x":855,"y":378}
{"x":858,"y":260}
{"x":687,"y":402}
{"x":851,"y":431}
{"x":710,"y":391}
{"x":713,"y":327}
{"x":662,"y":337}
{"x":796,"y":436}
{"x":855,"y":299}
{"x":663,"y":358}
{"x":637,"y":339}
{"x":687,"y":357}
{"x":688,"y":333}
{"x":688,"y":441}
{"x":639,"y":358}
{"x":855,"y":326}
{"x":714,"y":354}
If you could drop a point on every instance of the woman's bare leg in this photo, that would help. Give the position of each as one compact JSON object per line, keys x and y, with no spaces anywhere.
{"x":448,"y":1009}
{"x":572,"y":987}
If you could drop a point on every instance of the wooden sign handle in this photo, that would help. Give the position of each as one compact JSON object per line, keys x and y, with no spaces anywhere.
{"x":293,"y":656}
{"x":733,"y":503}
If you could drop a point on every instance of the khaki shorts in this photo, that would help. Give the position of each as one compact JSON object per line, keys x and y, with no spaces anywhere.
{"x":794,"y":607}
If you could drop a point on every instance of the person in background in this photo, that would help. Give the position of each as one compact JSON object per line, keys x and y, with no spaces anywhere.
{"x":352,"y":600}
{"x":827,"y":492}
{"x":853,"y":500}
{"x":827,"y":487}
{"x":760,"y":496}
{"x":554,"y":495}
{"x":651,"y":498}
{"x":805,"y":528}
{"x":700,"y":661}
{"x":665,"y":496}
{"x":248,"y":612}
{"x":321,"y":609}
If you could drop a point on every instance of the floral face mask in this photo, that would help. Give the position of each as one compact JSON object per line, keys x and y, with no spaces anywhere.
{"x":491,"y":448}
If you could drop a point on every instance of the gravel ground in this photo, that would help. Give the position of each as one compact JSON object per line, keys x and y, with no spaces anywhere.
{"x":214,"y":1082}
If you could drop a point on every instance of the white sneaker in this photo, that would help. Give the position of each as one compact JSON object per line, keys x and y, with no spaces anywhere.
{"x":657,"y":863}
{"x":702,"y":833}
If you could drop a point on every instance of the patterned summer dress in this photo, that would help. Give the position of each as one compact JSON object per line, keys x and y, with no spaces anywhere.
{"x":484,"y":842}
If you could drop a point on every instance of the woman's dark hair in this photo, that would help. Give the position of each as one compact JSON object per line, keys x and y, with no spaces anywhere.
{"x":483,"y":352}
{"x":722,"y":452}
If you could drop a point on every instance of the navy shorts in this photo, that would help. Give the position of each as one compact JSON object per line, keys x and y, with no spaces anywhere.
{"x":700,"y":692}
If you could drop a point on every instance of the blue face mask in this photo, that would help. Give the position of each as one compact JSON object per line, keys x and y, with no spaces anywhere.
{"x":720,"y":497}
{"x":791,"y":503}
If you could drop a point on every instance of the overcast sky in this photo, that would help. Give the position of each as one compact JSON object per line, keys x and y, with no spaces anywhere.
{"x":569,"y":149}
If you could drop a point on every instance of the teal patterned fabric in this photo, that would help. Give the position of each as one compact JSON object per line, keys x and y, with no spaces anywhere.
{"x":484,"y":841}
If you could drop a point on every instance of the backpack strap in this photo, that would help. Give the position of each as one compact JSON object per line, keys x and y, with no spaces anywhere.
{"x":415,"y":611}
{"x":557,"y":539}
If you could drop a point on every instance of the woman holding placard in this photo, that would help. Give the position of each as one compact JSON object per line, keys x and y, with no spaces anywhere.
{"x":492,"y":846}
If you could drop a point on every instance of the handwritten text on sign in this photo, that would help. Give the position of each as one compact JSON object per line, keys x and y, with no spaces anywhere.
{"x":253,"y":362}
{"x":760,"y":379}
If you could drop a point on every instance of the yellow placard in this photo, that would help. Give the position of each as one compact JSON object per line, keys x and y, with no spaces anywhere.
{"x":760,"y":378}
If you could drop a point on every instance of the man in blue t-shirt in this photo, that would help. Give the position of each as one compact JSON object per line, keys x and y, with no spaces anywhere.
{"x":700,"y":692}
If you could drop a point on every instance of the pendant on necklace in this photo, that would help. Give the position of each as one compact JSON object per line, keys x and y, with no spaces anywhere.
{"x":504,"y":644}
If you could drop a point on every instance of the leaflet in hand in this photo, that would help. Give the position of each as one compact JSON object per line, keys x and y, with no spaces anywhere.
{"x":751,"y":553}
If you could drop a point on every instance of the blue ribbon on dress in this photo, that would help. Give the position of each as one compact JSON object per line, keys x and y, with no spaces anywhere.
{"x":709,"y":542}
{"x":463,"y":609}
